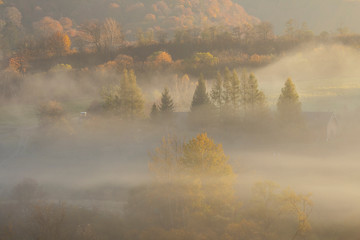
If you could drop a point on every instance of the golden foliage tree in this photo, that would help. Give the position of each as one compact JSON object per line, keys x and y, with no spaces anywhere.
{"x":58,"y":44}
{"x":193,"y":185}
{"x":124,"y":99}
{"x":288,"y":105}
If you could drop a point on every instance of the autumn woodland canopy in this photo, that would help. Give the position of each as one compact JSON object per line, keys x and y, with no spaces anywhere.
{"x":179,"y":76}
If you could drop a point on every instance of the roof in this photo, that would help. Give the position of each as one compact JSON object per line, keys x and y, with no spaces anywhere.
{"x":318,"y":119}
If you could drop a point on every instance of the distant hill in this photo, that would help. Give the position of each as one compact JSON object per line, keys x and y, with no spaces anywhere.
{"x":165,"y":14}
{"x":320,"y":15}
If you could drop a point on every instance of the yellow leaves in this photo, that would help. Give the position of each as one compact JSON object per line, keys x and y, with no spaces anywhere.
{"x":159,"y":60}
{"x":269,"y":205}
{"x":301,"y":206}
{"x":58,"y":44}
{"x":203,"y":157}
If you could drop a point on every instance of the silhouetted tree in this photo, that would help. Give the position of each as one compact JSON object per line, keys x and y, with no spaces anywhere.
{"x":166,"y":105}
{"x":154,"y":114}
{"x":200,"y":98}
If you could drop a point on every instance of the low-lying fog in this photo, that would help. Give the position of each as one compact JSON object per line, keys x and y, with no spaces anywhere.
{"x":327,"y":78}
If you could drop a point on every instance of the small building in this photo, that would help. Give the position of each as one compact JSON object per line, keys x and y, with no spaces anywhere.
{"x":323,"y":125}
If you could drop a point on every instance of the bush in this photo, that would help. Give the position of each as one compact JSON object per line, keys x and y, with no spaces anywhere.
{"x":50,"y":113}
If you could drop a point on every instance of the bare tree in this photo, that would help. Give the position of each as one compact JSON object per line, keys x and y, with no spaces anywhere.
{"x":111,"y":35}
{"x":90,"y":33}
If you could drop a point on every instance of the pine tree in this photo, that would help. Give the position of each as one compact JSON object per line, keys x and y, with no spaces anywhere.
{"x":244,"y":91}
{"x":256,"y":98}
{"x":227,"y":87}
{"x":200,"y":98}
{"x":288,"y":105}
{"x":217,"y":92}
{"x":167,"y":104}
{"x":154,"y":111}
{"x":235,"y":91}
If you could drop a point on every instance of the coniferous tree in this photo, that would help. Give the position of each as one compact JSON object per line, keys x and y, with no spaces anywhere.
{"x":244,"y":91}
{"x":235,"y":91}
{"x":200,"y":98}
{"x":256,"y":98}
{"x":227,"y":88}
{"x":288,"y":105}
{"x":217,"y":92}
{"x":167,"y":105}
{"x":154,"y":111}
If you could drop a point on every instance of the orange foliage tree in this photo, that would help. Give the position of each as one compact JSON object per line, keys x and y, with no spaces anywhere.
{"x":58,"y":44}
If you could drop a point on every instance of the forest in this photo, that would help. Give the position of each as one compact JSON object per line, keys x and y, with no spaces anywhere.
{"x":175,"y":119}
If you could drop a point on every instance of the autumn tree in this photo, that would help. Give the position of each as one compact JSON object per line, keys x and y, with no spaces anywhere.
{"x":13,"y":16}
{"x":201,"y":62}
{"x":235,"y":91}
{"x":227,"y":89}
{"x":300,"y":205}
{"x":192,"y":186}
{"x":264,"y":31}
{"x":288,"y":104}
{"x":19,"y":63}
{"x":243,"y":92}
{"x":255,"y":101}
{"x":159,"y":59}
{"x":12,"y":31}
{"x":58,"y":44}
{"x":272,"y":208}
{"x":111,"y":35}
{"x":217,"y":92}
{"x":124,"y":99}
{"x":66,"y":23}
{"x":47,"y":27}
{"x":90,"y":33}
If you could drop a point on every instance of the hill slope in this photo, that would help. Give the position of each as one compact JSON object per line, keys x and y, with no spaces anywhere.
{"x":166,"y":14}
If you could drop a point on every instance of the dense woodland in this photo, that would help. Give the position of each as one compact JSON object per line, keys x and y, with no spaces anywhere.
{"x":146,"y":69}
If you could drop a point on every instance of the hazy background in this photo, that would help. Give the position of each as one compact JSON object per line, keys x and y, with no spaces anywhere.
{"x":320,"y":15}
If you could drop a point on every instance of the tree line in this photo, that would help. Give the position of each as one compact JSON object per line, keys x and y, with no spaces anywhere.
{"x":231,"y":98}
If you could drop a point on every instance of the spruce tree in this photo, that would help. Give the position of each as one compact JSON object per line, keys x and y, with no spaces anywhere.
{"x":217,"y":92}
{"x":200,"y":98}
{"x":288,"y":105}
{"x":154,"y":111}
{"x":167,"y":104}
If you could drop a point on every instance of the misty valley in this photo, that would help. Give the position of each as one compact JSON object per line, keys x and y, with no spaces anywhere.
{"x":161,"y":120}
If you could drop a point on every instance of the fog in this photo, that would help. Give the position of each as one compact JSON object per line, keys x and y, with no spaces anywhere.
{"x":327,"y":76}
{"x":95,"y":160}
